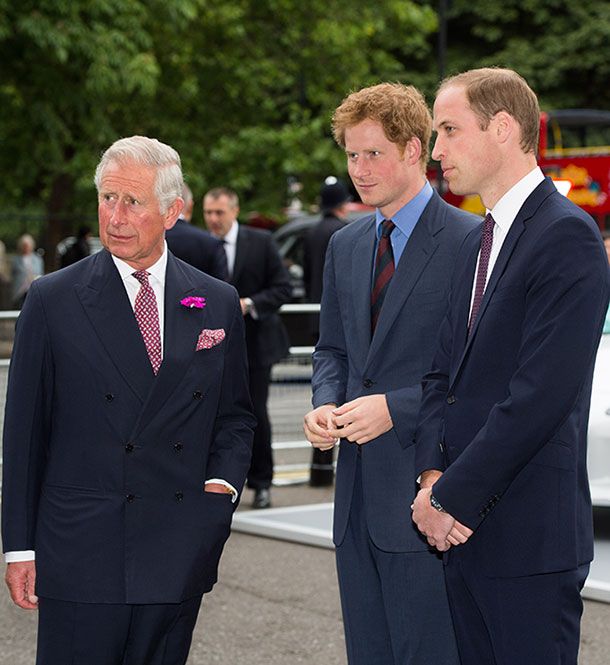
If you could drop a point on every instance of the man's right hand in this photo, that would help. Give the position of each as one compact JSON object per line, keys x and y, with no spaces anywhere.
{"x":21,"y":581}
{"x":316,"y":425}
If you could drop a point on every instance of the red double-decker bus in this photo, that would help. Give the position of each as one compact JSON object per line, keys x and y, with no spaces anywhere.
{"x":574,"y":149}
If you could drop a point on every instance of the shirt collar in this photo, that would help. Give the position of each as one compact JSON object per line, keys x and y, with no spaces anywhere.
{"x":506,"y":209}
{"x":231,"y":237}
{"x":157,"y":270}
{"x":407,"y":217}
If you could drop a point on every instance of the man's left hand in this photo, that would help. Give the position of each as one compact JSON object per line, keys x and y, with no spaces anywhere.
{"x":439,"y":528}
{"x":362,"y":419}
{"x":217,"y":488}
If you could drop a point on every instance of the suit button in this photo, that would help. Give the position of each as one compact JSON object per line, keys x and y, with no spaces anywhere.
{"x":367,"y":383}
{"x":197,"y":394}
{"x":130,"y":498}
{"x":451,"y":399}
{"x":109,"y":397}
{"x":129,"y":448}
{"x":178,"y":447}
{"x":179,"y":496}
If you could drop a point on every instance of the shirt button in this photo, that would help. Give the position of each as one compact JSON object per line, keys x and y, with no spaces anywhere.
{"x":197,"y":394}
{"x":178,"y":447}
{"x":129,"y":448}
{"x":130,"y":498}
{"x":179,"y":496}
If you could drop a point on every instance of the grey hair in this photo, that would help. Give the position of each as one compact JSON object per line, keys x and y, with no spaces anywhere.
{"x":148,"y":152}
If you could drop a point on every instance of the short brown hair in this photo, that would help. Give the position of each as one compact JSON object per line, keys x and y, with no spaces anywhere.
{"x":400,"y":109}
{"x":217,"y":192}
{"x":490,"y":90}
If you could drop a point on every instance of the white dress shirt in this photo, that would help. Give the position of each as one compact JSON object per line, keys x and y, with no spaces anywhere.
{"x":504,"y":213}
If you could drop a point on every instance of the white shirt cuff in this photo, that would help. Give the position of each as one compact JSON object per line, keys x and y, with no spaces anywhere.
{"x":24,"y":555}
{"x":220,"y":481}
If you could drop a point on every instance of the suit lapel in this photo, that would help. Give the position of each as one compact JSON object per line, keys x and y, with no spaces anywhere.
{"x":182,"y":328}
{"x":107,"y":306}
{"x":527,"y":211}
{"x":362,"y":262}
{"x":419,"y":250}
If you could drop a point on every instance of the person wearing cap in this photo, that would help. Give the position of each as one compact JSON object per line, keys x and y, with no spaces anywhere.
{"x":334,"y":198}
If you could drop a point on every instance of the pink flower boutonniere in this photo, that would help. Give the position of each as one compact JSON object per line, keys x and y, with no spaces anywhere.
{"x":193,"y":301}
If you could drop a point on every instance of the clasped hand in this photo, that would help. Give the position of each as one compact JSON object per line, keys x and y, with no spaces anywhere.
{"x":359,"y":421}
{"x":441,"y":530}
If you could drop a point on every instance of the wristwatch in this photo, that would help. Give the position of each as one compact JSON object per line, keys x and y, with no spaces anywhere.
{"x":435,"y":504}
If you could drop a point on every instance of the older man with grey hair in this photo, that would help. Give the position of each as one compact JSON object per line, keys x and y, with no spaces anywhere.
{"x":127,"y":434}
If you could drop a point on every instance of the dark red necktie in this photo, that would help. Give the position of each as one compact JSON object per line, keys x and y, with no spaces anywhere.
{"x":147,"y":316}
{"x":486,"y":242}
{"x":384,"y":269}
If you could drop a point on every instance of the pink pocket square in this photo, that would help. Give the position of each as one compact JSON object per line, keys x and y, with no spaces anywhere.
{"x":209,"y":338}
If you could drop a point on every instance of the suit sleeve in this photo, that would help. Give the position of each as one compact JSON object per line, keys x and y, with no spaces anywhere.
{"x":234,"y":426}
{"x":330,"y":365}
{"x":277,"y":289}
{"x":567,"y":289}
{"x":27,"y":424}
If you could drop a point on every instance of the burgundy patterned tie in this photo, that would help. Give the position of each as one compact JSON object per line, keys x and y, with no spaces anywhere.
{"x":486,"y":242}
{"x":384,"y":270}
{"x":147,"y":316}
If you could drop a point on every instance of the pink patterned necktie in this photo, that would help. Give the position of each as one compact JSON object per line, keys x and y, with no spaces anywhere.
{"x":147,"y":316}
{"x":486,"y":242}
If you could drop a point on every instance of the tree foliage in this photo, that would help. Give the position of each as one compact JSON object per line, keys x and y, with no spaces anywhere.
{"x":244,"y":89}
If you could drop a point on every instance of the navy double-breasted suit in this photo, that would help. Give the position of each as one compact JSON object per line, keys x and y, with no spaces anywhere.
{"x":104,"y":463}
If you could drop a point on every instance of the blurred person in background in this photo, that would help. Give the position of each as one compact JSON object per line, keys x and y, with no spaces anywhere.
{"x":334,"y":198}
{"x":79,"y":249}
{"x":196,"y":246}
{"x":257,"y":272}
{"x":386,"y":280}
{"x":26,"y":267}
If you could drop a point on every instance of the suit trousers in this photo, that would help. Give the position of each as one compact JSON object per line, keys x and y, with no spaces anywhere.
{"x":531,"y":620}
{"x":395,"y":609}
{"x":260,"y":474}
{"x":105,"y":634}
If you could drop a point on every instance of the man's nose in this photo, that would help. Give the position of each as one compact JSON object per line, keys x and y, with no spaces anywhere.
{"x":437,"y":151}
{"x":117,"y":217}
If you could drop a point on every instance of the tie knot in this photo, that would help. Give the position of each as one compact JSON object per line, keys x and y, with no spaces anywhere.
{"x":387,"y":226}
{"x":141,"y":276}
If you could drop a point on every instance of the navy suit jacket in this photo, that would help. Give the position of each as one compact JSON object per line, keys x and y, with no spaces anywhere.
{"x":259,"y":274}
{"x":505,"y":410}
{"x":349,"y":364}
{"x":198,"y":248}
{"x":104,"y":463}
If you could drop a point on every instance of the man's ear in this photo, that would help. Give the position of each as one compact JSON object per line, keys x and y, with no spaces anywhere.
{"x":504,"y":126}
{"x":412,"y":151}
{"x":173,"y":212}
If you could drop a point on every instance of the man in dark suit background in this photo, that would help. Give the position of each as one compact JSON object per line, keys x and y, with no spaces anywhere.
{"x":367,"y":374}
{"x":127,"y":434}
{"x":501,"y":442}
{"x":257,"y":272}
{"x":196,"y":246}
{"x":334,"y":198}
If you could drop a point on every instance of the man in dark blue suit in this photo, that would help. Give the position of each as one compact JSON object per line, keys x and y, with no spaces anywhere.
{"x":501,"y":441}
{"x":196,"y":246}
{"x":368,"y":366}
{"x":127,"y":434}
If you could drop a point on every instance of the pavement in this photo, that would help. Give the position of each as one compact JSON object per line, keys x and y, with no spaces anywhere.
{"x":275,"y":603}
